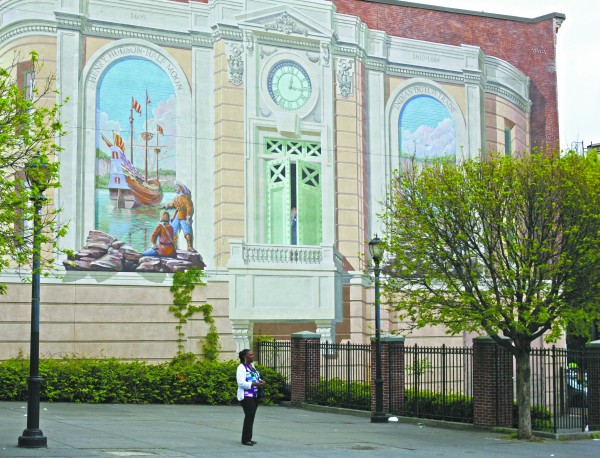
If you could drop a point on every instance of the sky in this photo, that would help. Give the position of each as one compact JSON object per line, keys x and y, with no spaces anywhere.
{"x":578,"y":58}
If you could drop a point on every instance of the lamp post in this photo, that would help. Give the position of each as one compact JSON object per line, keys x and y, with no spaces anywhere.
{"x":33,"y":437}
{"x":376,"y":252}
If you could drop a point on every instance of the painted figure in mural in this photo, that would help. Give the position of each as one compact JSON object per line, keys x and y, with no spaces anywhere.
{"x":163,"y":238}
{"x":294,"y":226}
{"x":182,"y":218}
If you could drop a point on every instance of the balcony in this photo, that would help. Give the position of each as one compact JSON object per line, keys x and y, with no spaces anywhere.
{"x":284,"y":283}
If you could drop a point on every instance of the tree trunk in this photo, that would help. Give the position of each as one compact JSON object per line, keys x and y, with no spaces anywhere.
{"x":524,"y":394}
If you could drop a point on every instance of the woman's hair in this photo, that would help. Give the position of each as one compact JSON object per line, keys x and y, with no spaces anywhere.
{"x":243,"y":354}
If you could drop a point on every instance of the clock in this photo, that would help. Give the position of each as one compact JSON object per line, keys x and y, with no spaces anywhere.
{"x":289,"y":85}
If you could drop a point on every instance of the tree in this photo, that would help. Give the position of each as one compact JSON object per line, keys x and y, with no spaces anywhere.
{"x":29,"y":128}
{"x":505,"y":246}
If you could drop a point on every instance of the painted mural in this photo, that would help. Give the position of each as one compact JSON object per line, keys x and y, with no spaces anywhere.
{"x":426,"y":130}
{"x":143,"y":213}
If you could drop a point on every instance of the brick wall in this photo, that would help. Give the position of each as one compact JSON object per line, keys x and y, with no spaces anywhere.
{"x":306,"y":364}
{"x":492,"y":384}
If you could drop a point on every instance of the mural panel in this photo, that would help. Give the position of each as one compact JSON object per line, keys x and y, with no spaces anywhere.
{"x":426,"y":130}
{"x":142,"y":213}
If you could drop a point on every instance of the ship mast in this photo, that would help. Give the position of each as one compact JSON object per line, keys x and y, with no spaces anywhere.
{"x":147,"y":136}
{"x":131,"y":134}
{"x":157,"y":150}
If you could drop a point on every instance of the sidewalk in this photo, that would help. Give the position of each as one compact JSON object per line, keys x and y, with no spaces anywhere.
{"x":107,"y":430}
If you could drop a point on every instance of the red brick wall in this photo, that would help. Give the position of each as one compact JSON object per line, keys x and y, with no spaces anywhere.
{"x":529,"y":46}
{"x":492,"y":384}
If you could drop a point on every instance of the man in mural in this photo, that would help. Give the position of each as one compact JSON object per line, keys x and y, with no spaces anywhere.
{"x":162,"y":238}
{"x":182,"y":219}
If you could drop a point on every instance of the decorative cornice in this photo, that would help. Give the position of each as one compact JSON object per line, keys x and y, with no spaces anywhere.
{"x":70,"y":21}
{"x":410,"y":72}
{"x":496,"y":89}
{"x":28,"y":29}
{"x":225,"y":32}
{"x":289,"y":42}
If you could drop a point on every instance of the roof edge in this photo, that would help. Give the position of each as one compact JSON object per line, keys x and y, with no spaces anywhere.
{"x":507,"y":17}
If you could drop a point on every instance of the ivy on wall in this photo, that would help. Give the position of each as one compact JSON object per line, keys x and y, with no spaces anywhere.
{"x":184,"y":284}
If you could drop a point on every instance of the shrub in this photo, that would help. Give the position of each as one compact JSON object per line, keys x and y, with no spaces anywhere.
{"x":185,"y":380}
{"x":430,"y":404}
{"x":338,"y":393}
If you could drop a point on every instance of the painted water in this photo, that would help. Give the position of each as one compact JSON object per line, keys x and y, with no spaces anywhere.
{"x":132,"y":226}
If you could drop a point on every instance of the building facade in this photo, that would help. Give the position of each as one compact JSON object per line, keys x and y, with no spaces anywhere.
{"x":280,"y":124}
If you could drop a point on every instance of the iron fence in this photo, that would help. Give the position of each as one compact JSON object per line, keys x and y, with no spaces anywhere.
{"x":438,"y":383}
{"x":345,"y":376}
{"x":277,"y":355}
{"x":559,"y":385}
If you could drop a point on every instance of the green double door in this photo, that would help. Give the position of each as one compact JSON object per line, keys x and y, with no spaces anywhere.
{"x":293,"y":183}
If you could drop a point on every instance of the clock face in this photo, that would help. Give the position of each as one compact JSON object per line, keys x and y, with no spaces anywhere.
{"x":289,"y":85}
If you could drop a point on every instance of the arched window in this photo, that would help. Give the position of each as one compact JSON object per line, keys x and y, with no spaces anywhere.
{"x":426,"y":130}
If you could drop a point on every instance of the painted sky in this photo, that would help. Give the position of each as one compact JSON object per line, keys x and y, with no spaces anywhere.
{"x":131,"y":77}
{"x":426,"y":129}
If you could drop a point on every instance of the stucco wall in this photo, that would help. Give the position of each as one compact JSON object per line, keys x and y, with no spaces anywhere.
{"x":89,"y":318}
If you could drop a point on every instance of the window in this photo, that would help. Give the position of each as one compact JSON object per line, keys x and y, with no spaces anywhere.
{"x":293,"y":192}
{"x":28,"y":84}
{"x":507,"y":142}
{"x":508,"y":137}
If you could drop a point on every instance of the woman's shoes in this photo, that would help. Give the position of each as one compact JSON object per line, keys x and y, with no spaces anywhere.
{"x":254,"y":442}
{"x":248,"y":443}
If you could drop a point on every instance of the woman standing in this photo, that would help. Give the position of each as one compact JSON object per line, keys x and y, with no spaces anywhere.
{"x":248,"y":380}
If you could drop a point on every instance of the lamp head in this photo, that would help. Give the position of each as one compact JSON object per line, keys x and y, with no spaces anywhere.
{"x":38,"y":172}
{"x":376,"y":249}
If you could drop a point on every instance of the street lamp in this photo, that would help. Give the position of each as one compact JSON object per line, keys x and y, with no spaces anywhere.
{"x":376,"y":252}
{"x":38,"y":177}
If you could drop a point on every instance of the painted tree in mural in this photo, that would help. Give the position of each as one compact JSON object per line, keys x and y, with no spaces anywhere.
{"x":506,"y":247}
{"x":29,"y":128}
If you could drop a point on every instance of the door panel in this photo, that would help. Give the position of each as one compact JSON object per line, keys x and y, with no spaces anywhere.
{"x":278,"y":201}
{"x":308,"y":179}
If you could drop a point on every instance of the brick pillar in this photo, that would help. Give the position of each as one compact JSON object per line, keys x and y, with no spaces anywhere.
{"x":492,"y":384}
{"x":306,"y":364}
{"x":593,"y":376}
{"x":392,"y":372}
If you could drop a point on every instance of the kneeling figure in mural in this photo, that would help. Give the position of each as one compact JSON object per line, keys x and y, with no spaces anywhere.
{"x":163,"y":238}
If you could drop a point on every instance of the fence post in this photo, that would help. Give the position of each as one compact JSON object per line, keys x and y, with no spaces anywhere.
{"x":593,"y":377}
{"x":392,"y":372}
{"x":493,"y":394}
{"x":306,"y":364}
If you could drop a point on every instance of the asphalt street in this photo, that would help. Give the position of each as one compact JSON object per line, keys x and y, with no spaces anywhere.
{"x":117,"y":430}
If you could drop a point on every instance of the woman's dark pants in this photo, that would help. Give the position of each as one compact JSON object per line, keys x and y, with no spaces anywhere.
{"x":249,"y":405}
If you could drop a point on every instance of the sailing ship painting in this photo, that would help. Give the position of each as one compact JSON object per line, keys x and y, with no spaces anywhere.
{"x":127,"y":186}
{"x":136,"y":149}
